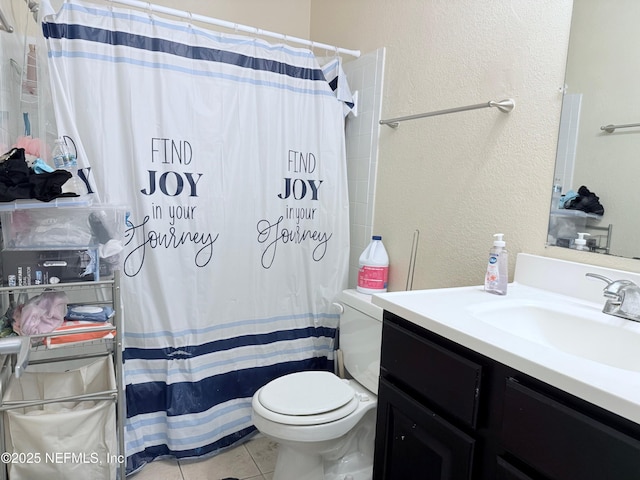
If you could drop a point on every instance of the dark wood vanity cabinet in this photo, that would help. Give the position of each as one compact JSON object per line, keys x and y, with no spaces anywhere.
{"x":448,"y":413}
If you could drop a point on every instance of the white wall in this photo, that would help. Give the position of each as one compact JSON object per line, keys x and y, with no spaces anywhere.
{"x":290,"y":17}
{"x":462,"y":177}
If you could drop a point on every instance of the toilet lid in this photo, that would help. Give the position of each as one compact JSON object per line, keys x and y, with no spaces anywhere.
{"x":306,"y":393}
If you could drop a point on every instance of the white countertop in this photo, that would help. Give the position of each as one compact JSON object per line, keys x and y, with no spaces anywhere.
{"x":446,"y":313}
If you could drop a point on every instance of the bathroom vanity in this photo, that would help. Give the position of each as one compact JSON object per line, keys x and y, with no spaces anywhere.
{"x":478,"y":386}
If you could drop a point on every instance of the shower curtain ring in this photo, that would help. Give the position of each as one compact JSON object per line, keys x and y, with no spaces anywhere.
{"x":256,"y":32}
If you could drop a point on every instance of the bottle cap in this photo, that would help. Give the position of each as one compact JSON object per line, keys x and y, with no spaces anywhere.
{"x":580,"y":240}
{"x":376,"y":237}
{"x":498,"y":242}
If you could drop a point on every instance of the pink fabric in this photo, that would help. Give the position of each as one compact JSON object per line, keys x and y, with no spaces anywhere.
{"x":41,"y":314}
{"x":32,"y":146}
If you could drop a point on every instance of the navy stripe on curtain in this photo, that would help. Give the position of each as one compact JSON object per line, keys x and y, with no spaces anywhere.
{"x":152,"y":396}
{"x":191,"y":351}
{"x":115,"y":38}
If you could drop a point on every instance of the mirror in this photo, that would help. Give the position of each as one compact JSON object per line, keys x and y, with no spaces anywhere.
{"x":602,"y":88}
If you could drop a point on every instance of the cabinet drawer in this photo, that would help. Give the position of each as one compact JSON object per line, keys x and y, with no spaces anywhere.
{"x":450,"y":381}
{"x":563,"y":443}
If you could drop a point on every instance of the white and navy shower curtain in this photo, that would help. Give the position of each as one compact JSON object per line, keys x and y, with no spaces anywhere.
{"x":229,"y":153}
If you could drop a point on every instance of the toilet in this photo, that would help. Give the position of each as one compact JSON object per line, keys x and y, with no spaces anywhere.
{"x":324,"y":424}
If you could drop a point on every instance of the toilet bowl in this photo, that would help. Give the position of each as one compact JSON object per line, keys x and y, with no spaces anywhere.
{"x":325,"y":425}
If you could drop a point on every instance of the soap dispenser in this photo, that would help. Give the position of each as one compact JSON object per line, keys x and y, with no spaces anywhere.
{"x":581,"y":243}
{"x":497,"y":270}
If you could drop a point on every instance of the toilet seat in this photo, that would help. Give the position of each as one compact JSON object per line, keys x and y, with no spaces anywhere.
{"x":306,"y":398}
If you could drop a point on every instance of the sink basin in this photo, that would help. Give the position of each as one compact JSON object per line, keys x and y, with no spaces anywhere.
{"x":572,"y":328}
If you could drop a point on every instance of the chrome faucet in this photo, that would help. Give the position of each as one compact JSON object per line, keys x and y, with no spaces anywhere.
{"x":623,"y":298}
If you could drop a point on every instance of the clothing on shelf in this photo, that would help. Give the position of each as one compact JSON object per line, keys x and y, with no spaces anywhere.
{"x":19,"y":181}
{"x":583,"y":200}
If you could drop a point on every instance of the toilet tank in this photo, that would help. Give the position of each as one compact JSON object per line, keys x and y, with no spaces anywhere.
{"x":361,"y":338}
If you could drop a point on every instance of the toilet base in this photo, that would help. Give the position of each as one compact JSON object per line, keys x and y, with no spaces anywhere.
{"x":292,"y":464}
{"x":347,"y":458}
{"x":355,"y":466}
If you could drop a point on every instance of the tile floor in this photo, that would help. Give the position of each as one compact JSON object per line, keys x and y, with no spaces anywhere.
{"x":253,"y":460}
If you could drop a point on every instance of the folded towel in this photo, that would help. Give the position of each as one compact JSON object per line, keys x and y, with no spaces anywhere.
{"x":81,"y":336}
{"x":93,"y":313}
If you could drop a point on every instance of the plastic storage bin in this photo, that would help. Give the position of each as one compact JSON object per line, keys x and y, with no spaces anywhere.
{"x":71,"y":440}
{"x":564,"y":226}
{"x":62,"y":227}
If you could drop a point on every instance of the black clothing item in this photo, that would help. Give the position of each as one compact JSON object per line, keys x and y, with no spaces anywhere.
{"x":14,"y":180}
{"x":47,"y":186}
{"x":19,"y":181}
{"x":586,"y":201}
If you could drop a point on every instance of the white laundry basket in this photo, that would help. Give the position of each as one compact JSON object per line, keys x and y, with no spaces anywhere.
{"x":65,"y":440}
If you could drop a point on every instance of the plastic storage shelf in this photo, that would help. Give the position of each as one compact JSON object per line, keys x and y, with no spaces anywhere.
{"x":71,"y":357}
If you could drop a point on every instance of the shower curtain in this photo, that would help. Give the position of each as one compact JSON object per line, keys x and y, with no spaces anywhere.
{"x":229,"y":153}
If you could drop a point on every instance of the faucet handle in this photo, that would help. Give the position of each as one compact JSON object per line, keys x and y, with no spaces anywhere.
{"x":599,"y":277}
{"x":615,"y":289}
{"x":611,"y":291}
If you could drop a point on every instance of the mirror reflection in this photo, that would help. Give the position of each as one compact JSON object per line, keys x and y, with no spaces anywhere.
{"x":596,"y":188}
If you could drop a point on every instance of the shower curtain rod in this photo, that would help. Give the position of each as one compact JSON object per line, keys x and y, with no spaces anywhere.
{"x":233,"y":26}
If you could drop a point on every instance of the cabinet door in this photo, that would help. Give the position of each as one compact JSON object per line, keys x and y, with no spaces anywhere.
{"x":564,"y":443}
{"x":413,"y":443}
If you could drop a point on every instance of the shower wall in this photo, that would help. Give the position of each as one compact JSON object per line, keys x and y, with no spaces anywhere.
{"x":365,"y":75}
{"x":25,"y":110}
{"x":12,"y":93}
